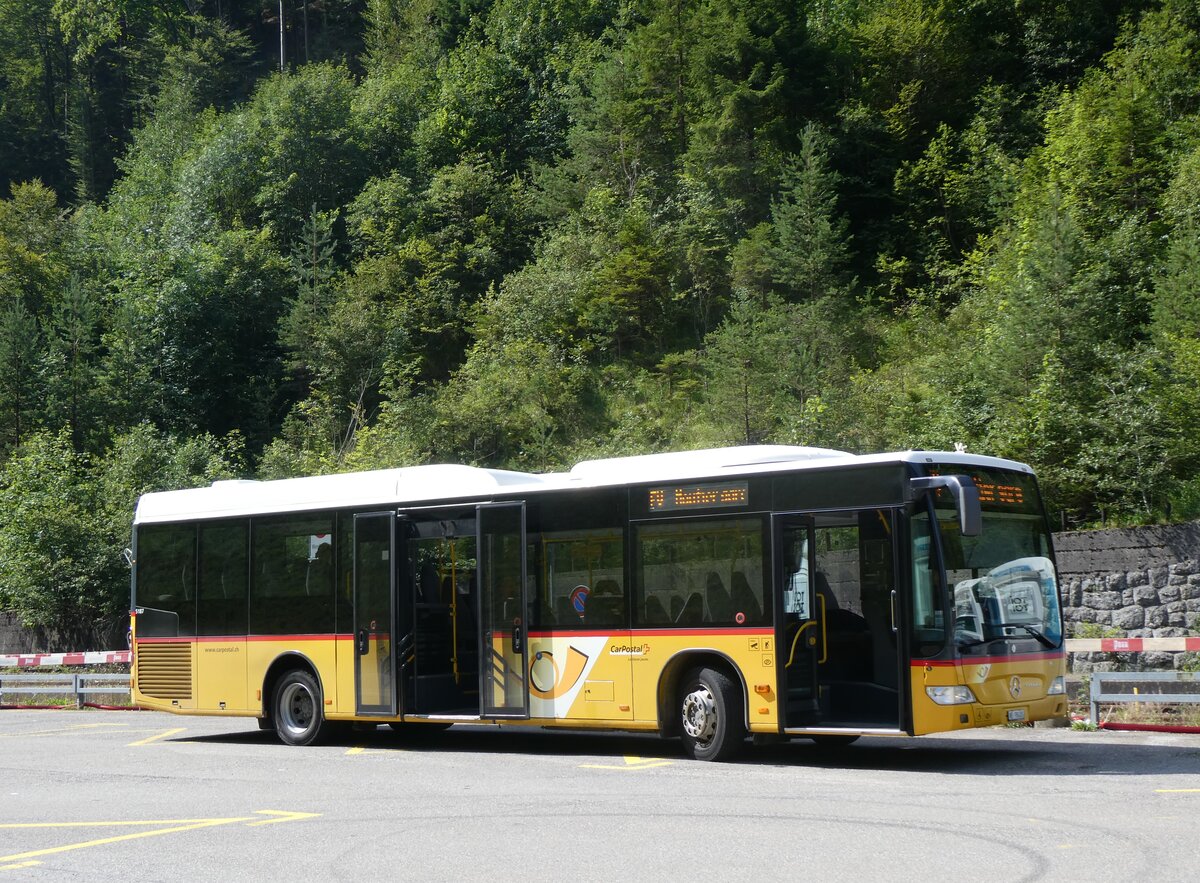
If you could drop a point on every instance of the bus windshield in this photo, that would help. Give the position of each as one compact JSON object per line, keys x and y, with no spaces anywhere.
{"x":1002,"y":582}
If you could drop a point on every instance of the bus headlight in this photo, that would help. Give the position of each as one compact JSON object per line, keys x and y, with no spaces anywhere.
{"x":950,"y":695}
{"x":1058,"y":686}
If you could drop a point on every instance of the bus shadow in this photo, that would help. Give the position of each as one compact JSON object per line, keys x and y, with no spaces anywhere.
{"x":1004,"y":753}
{"x":990,"y":756}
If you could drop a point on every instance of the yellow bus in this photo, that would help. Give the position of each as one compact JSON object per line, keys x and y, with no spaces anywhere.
{"x":760,"y":591}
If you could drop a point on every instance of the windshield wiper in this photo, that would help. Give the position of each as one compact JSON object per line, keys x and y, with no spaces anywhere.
{"x":1042,"y":639}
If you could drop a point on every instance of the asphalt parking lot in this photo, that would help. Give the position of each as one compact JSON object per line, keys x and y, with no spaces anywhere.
{"x":91,"y":795}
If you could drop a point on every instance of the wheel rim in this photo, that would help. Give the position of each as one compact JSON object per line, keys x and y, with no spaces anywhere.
{"x":700,"y":715}
{"x":296,"y":708}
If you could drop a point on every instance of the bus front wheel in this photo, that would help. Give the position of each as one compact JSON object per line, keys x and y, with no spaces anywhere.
{"x":710,"y":717}
{"x":299,"y":714}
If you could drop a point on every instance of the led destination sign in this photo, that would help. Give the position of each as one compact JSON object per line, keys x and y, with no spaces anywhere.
{"x":1002,"y":494}
{"x":999,"y":490}
{"x":699,"y":496}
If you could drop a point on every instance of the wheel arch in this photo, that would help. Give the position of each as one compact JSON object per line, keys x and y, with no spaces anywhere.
{"x":673,"y":673}
{"x":279,"y":666}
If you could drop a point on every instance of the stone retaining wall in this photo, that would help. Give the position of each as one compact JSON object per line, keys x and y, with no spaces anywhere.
{"x":1135,"y":582}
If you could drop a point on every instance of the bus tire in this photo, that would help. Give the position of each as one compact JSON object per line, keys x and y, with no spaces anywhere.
{"x":710,"y":718}
{"x":299,"y":713}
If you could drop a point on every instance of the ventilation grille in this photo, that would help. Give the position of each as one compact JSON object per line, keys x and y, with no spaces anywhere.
{"x":164,"y":671}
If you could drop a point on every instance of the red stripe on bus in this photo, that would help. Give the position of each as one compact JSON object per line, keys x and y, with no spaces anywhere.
{"x":225,"y":639}
{"x":666,"y":633}
{"x":765,"y":631}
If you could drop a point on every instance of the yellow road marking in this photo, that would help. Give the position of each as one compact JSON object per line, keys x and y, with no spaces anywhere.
{"x":1177,"y":790}
{"x":357,"y":749}
{"x":286,"y":816}
{"x":156,"y":737}
{"x":177,"y":826}
{"x":106,"y":840}
{"x":18,"y":865}
{"x":631,"y":763}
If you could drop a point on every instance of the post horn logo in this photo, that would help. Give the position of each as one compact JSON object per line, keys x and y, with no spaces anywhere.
{"x":1014,"y":687}
{"x":562,"y":681}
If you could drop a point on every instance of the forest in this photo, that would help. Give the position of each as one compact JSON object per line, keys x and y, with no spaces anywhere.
{"x":266,"y":238}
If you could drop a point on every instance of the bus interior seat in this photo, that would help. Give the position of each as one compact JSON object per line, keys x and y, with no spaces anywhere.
{"x":692,"y":611}
{"x":427,"y":584}
{"x":564,"y":613}
{"x":606,"y":604}
{"x":719,"y":604}
{"x":318,"y":576}
{"x":744,"y":600}
{"x":655,"y":612}
{"x":821,"y":586}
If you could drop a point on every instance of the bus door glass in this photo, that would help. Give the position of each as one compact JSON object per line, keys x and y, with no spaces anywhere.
{"x":503,"y":605}
{"x":850,"y":595}
{"x":374,"y":606}
{"x":801,"y":632}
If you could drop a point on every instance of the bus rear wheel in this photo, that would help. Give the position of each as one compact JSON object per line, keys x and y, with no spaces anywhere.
{"x":710,"y":719}
{"x":299,"y":713}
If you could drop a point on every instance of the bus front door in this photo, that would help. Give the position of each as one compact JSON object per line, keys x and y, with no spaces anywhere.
{"x":837,"y":578}
{"x":801,"y":638}
{"x":503,"y":603}
{"x":374,"y":609}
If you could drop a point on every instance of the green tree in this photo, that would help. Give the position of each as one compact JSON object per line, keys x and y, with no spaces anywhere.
{"x":813,"y":249}
{"x":58,"y":572}
{"x":70,"y":517}
{"x":20,"y":352}
{"x":767,"y":370}
{"x":71,"y":364}
{"x":313,"y":269}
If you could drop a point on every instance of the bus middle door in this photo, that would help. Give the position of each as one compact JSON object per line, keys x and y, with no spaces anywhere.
{"x":503,"y":611}
{"x":374,"y":614}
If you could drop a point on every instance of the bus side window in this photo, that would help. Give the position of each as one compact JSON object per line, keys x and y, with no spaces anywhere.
{"x":224,"y":570}
{"x":166,"y":575}
{"x":701,"y":572}
{"x":580,"y":576}
{"x":292,"y":592}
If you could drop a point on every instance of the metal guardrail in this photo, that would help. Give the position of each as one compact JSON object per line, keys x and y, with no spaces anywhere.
{"x":1188,"y":681}
{"x":78,"y":685}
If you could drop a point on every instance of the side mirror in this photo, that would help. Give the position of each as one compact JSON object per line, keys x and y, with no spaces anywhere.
{"x":966,"y":499}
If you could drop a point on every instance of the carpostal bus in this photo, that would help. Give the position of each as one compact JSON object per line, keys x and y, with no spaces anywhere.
{"x":763,"y":591}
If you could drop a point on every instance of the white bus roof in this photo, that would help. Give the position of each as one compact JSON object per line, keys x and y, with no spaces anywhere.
{"x":419,"y":485}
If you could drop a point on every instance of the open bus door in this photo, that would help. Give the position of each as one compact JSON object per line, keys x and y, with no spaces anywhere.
{"x":503,"y":603}
{"x":842,"y":653}
{"x":374,"y":614}
{"x":464,"y":582}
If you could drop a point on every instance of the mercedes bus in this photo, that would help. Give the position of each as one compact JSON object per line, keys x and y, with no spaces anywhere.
{"x":713,"y":596}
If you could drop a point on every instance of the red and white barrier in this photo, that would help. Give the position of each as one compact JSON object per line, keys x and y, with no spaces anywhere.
{"x":38,"y":660}
{"x":1132,"y":645}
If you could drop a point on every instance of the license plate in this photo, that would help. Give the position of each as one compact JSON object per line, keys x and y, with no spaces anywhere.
{"x":1016,"y":714}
